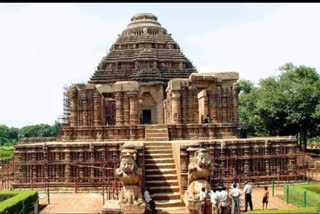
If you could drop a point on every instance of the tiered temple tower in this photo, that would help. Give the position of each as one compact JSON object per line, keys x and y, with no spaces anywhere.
{"x":143,"y":52}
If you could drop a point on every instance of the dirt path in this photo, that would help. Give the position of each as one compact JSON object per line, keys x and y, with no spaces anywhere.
{"x":72,"y":203}
{"x":92,"y":202}
{"x":274,"y":201}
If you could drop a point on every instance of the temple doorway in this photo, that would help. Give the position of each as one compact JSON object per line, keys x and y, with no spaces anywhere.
{"x":146,"y":116}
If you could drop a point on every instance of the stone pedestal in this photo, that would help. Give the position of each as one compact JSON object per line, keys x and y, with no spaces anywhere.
{"x":194,"y":207}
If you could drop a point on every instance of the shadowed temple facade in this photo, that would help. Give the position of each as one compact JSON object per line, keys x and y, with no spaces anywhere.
{"x":145,"y":105}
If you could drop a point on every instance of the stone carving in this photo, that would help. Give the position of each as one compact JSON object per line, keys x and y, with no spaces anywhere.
{"x":181,"y":65}
{"x":198,"y":171}
{"x":145,"y":30}
{"x":137,"y":65}
{"x":129,"y":174}
{"x":155,"y":65}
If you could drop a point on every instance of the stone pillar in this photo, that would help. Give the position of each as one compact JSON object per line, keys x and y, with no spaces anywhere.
{"x":119,"y":108}
{"x":91,"y":149}
{"x":267,"y":161}
{"x":134,"y":107}
{"x":190,"y":106}
{"x":97,"y":109}
{"x":292,"y":160}
{"x":73,"y":107}
{"x":126,"y":111}
{"x":195,"y":107}
{"x":81,"y":169}
{"x":235,"y":93}
{"x":34,"y":167}
{"x":45,"y":160}
{"x":246,"y":161}
{"x":67,"y":172}
{"x":84,"y":108}
{"x":214,"y":105}
{"x":203,"y":105}
{"x":184,"y":119}
{"x":176,"y":107}
{"x":278,"y":152}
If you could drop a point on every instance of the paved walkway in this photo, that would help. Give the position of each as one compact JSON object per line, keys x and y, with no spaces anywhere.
{"x":92,"y":202}
{"x":72,"y":203}
{"x":274,"y":201}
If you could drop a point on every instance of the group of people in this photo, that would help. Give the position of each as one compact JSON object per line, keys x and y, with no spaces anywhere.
{"x":220,"y":198}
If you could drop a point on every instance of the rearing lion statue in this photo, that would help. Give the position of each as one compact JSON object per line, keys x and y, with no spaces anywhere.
{"x":198,"y":171}
{"x":129,"y":175}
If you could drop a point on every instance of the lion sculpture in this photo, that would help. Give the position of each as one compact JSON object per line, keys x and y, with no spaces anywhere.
{"x":129,"y":175}
{"x":198,"y":171}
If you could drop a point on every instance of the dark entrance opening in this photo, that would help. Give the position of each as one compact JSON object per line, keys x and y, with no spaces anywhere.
{"x":146,"y":116}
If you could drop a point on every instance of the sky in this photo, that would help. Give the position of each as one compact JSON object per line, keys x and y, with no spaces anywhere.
{"x":45,"y":47}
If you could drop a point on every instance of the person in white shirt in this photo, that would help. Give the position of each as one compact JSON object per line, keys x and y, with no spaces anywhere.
{"x":214,"y":198}
{"x":223,"y":200}
{"x":149,"y":200}
{"x":235,"y":193}
{"x":247,"y":191}
{"x":235,"y":182}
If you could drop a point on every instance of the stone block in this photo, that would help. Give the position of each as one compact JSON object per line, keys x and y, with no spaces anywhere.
{"x":178,"y":84}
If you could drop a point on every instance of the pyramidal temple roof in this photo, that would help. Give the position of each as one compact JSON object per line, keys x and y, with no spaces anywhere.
{"x":144,"y":52}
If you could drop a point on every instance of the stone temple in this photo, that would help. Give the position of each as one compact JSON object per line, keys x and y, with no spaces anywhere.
{"x":139,"y":122}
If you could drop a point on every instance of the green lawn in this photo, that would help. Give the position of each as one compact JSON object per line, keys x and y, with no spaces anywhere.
{"x":295,"y":210}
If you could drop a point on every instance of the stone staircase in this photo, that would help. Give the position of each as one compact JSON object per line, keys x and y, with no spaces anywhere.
{"x":156,"y":132}
{"x":161,"y":177}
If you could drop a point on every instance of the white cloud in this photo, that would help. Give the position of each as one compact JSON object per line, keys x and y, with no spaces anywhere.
{"x":256,"y":49}
{"x":43,"y":48}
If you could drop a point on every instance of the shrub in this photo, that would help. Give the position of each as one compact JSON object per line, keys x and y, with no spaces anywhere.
{"x":15,"y":204}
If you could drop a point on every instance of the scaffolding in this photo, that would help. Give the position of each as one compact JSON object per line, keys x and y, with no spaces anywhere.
{"x":66,"y":106}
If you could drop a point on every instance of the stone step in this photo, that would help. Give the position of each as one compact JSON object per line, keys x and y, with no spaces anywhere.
{"x":163,"y":177}
{"x":173,"y":210}
{"x":160,"y":166}
{"x":153,"y":135}
{"x":159,"y":160}
{"x":165,"y":196}
{"x":168,"y":203}
{"x":159,"y":151}
{"x":160,"y":171}
{"x":155,"y":131}
{"x":158,"y":155}
{"x":156,"y":144}
{"x":166,"y":189}
{"x":157,"y":138}
{"x":162,"y":183}
{"x":156,"y":126}
{"x":157,"y":148}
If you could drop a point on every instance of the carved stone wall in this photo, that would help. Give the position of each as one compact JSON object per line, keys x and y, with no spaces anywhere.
{"x":213,"y":94}
{"x":254,"y":159}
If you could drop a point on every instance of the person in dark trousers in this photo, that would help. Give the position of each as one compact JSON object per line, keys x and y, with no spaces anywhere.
{"x":247,"y":191}
{"x":265,"y":197}
{"x":149,"y":200}
{"x":207,"y":119}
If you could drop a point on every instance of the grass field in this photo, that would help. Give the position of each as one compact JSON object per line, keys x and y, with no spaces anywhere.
{"x":296,"y":210}
{"x":6,"y":152}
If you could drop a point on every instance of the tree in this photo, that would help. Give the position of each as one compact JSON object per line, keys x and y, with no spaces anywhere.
{"x":288,"y":104}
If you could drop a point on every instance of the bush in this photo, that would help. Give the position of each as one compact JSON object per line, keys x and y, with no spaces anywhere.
{"x":15,"y":204}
